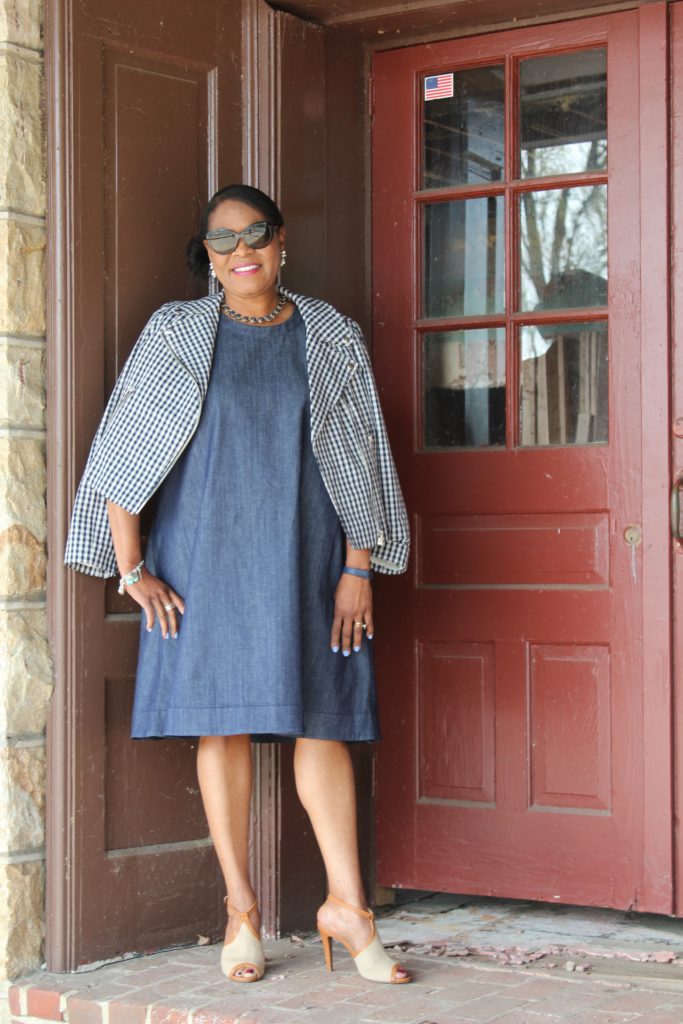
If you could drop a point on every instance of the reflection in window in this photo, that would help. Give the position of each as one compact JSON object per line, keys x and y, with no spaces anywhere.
{"x":563,"y":384}
{"x":563,"y":113}
{"x":563,"y":242}
{"x":464,"y":388}
{"x":464,"y":257}
{"x":463,"y":134}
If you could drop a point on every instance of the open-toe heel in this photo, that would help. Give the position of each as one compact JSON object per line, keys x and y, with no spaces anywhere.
{"x":372,"y":960}
{"x":244,"y":951}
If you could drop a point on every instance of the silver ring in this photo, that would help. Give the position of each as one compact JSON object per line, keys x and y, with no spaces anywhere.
{"x":363,"y":625}
{"x":168,"y":607}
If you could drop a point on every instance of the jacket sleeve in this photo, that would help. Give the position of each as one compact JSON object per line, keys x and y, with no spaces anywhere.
{"x":89,"y":547}
{"x":392,"y":555}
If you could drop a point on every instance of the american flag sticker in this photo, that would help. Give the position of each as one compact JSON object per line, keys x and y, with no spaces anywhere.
{"x":438,"y":87}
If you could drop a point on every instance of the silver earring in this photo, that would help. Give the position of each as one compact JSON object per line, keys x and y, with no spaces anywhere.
{"x":283,"y":257}
{"x":212,"y":272}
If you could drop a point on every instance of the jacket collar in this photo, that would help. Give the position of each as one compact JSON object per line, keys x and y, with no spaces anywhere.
{"x":191,"y":333}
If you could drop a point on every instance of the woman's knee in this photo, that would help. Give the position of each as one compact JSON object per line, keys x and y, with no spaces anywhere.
{"x":224,"y":744}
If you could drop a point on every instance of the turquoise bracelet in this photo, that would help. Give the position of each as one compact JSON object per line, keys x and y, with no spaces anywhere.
{"x":365,"y":574}
{"x":134,"y":576}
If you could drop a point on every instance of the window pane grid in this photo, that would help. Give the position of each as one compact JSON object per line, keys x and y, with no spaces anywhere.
{"x":551,"y":197}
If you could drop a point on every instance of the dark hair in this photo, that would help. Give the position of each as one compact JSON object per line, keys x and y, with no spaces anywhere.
{"x":197,"y":256}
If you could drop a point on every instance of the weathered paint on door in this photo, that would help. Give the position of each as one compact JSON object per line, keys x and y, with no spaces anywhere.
{"x":524,"y":753}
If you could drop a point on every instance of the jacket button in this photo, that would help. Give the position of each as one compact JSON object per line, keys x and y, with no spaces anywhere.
{"x":380,"y":540}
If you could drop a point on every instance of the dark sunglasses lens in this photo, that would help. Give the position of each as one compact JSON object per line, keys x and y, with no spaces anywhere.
{"x":223,"y":244}
{"x":257,"y":236}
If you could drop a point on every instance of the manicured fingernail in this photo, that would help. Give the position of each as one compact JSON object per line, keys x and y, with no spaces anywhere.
{"x":166,"y":636}
{"x":356,"y":649}
{"x":175,"y":636}
{"x":346,"y":653}
{"x":149,"y":629}
{"x":335,"y":649}
{"x":369,"y":636}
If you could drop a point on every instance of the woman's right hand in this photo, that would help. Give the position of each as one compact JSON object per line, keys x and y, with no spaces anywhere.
{"x":155,"y":598}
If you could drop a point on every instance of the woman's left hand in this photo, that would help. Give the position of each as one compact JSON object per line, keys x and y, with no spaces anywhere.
{"x":352,"y":605}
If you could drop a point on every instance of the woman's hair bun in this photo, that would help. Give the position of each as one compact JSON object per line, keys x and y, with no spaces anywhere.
{"x":198,"y":257}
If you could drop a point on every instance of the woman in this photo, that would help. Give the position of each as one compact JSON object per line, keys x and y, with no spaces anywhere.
{"x":255,"y":412}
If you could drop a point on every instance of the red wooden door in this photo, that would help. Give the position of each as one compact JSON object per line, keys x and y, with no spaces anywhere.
{"x":517,"y":342}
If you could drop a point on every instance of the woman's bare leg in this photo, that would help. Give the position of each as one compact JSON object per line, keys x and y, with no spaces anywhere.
{"x":224,"y":770}
{"x":325,"y":783}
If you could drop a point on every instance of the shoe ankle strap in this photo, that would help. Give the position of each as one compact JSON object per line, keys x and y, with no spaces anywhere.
{"x":349,"y":906}
{"x":243,"y":914}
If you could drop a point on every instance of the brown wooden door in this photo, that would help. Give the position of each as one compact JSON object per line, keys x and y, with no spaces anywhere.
{"x":152,"y":123}
{"x":519,"y":283}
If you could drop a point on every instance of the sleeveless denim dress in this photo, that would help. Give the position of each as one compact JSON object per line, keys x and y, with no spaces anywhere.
{"x":246,"y":533}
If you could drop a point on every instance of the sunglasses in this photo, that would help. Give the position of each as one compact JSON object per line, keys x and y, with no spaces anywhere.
{"x":256,"y":236}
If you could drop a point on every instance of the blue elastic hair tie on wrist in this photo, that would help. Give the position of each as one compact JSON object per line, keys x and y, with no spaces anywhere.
{"x":365,"y":574}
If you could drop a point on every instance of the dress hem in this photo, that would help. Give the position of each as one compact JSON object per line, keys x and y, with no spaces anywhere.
{"x":315,"y":725}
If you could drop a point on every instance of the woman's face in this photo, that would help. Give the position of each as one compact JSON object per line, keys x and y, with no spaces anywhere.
{"x":245,"y":273}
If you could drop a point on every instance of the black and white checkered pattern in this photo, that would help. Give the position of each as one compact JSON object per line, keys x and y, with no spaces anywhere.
{"x":155,"y":408}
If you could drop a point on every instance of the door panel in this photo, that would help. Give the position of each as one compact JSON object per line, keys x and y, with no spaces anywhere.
{"x":149,"y":85}
{"x":507,"y":340}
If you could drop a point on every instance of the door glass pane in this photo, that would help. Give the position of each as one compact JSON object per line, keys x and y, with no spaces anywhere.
{"x":563,"y":113}
{"x":563,"y":247}
{"x":464,"y":388}
{"x":463,"y":128}
{"x":563,"y":384}
{"x":464,"y":257}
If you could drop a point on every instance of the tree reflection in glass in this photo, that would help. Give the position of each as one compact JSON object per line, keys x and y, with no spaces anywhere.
{"x":563,"y":248}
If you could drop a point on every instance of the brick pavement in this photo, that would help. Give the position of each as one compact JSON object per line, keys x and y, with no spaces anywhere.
{"x":186,"y":987}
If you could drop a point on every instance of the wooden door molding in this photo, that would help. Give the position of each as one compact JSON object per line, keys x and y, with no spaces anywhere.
{"x":676,"y":420}
{"x":260,"y":153}
{"x":655,"y":113}
{"x":61,"y":915}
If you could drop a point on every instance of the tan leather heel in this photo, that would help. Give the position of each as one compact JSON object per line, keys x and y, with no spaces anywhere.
{"x":245,"y":950}
{"x":372,"y":960}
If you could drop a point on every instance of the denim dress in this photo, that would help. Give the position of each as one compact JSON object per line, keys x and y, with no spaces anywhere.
{"x":246,"y":533}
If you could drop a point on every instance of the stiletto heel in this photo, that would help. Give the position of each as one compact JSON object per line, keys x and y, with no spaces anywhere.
{"x":327,"y":948}
{"x":372,"y":960}
{"x":244,"y":951}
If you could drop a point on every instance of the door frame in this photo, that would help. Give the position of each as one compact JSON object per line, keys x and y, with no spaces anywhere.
{"x":676,"y":375}
{"x":659,"y":887}
{"x":61,"y":917}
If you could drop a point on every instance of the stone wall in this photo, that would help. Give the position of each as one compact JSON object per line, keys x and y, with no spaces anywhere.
{"x":25,"y":667}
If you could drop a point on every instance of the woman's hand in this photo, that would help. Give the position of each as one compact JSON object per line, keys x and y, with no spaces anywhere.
{"x":152,"y":594}
{"x":159,"y":603}
{"x":352,"y":605}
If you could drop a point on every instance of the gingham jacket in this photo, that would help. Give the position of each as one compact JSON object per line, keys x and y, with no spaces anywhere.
{"x":157,"y":402}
